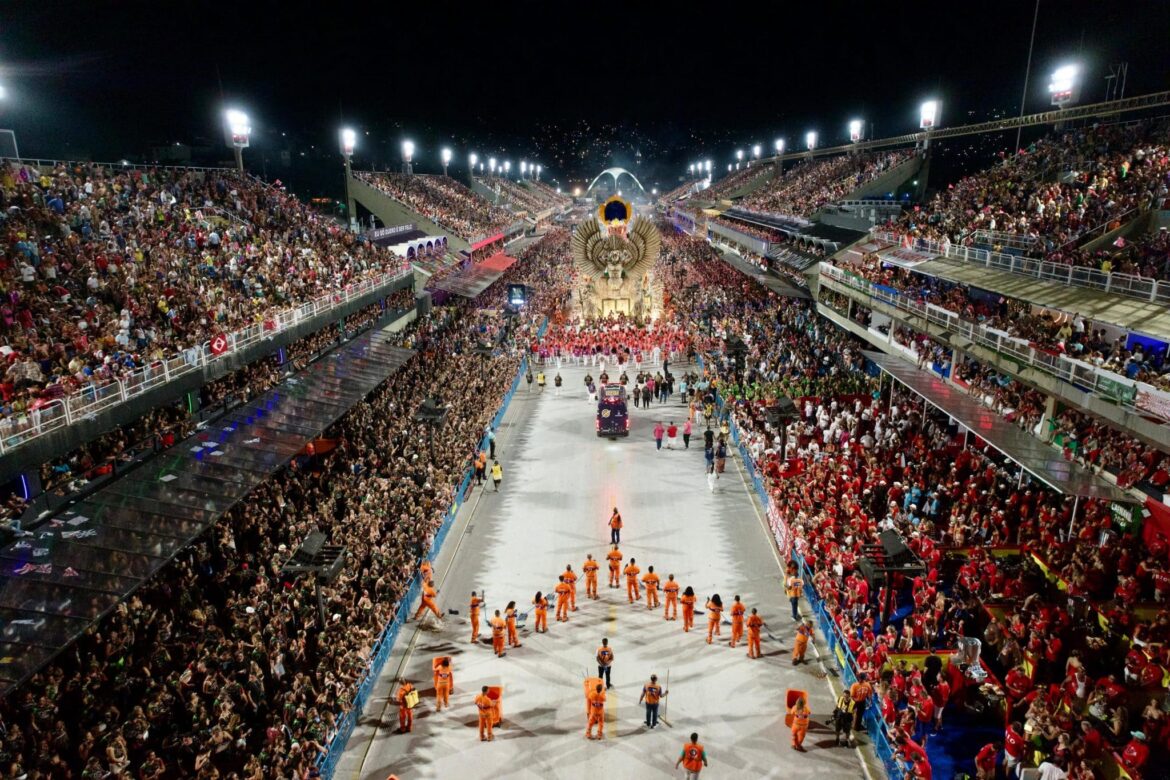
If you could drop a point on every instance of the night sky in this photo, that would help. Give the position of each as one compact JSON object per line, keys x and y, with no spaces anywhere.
{"x":563,"y":83}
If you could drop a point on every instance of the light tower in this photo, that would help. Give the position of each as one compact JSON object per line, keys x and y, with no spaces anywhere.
{"x":472,"y":159}
{"x":779,"y":145}
{"x":810,"y":140}
{"x":928,"y":114}
{"x":239,"y":133}
{"x":407,"y":157}
{"x":492,"y":165}
{"x":446,"y":155}
{"x":348,"y":142}
{"x":539,"y":168}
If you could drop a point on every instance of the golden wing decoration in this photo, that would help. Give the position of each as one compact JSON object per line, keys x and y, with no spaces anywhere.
{"x":582,"y":246}
{"x":647,"y":242}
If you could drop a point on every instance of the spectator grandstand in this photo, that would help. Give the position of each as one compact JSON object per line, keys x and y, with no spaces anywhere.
{"x":526,"y":195}
{"x":443,"y":200}
{"x":805,"y":188}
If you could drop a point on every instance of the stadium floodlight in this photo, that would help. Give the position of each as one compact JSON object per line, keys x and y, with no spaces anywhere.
{"x":728,"y":167}
{"x":238,"y":130}
{"x":779,"y":146}
{"x":507,"y":166}
{"x":855,"y":130}
{"x":756,"y":151}
{"x":653,"y":190}
{"x":928,"y":114}
{"x":810,"y":139}
{"x":3,"y":92}
{"x":523,"y":167}
{"x":738,"y":155}
{"x":576,"y":192}
{"x":407,"y":156}
{"x":708,"y":169}
{"x":348,"y":142}
{"x":692,"y":169}
{"x":473,"y":158}
{"x":539,"y":168}
{"x":492,"y":165}
{"x":446,"y":156}
{"x":1065,"y":86}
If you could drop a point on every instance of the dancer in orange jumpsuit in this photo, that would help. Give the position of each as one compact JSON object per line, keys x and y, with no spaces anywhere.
{"x":737,"y":613}
{"x":498,"y":629}
{"x":614,"y":557}
{"x":444,"y":684}
{"x":670,"y":591}
{"x":562,"y":599}
{"x":428,"y":601}
{"x":570,"y":578}
{"x":804,"y":633}
{"x":541,"y":605}
{"x":510,"y":623}
{"x":754,"y":624}
{"x":800,"y":714}
{"x":405,"y":714}
{"x":650,"y":580}
{"x":484,"y":704}
{"x":714,"y":617}
{"x":633,"y":592}
{"x":688,"y":605}
{"x":596,"y":714}
{"x":476,"y":603}
{"x":590,"y":568}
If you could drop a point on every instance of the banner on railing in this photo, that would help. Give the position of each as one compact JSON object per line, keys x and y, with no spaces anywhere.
{"x":219,"y":344}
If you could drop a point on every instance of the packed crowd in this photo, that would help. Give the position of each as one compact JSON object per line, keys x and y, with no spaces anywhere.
{"x":444,"y":201}
{"x":524,"y":195}
{"x":811,"y":184}
{"x":617,"y":337}
{"x":220,"y":667}
{"x":681,"y":190}
{"x":1077,"y":682}
{"x":723,"y":188}
{"x":105,"y":269}
{"x":1059,"y":189}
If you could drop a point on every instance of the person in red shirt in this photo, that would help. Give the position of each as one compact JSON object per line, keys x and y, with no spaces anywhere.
{"x":1136,"y":753}
{"x":986,"y":759}
{"x":1014,"y":747}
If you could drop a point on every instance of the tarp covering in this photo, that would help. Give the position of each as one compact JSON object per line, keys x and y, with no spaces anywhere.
{"x":474,"y":280}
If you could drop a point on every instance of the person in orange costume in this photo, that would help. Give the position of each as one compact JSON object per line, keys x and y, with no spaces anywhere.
{"x":510,"y":623}
{"x":714,"y":617}
{"x":484,"y":704}
{"x":800,"y":714}
{"x":633,"y":592}
{"x":428,"y":601}
{"x":650,"y":580}
{"x":541,"y":605}
{"x":737,"y":613}
{"x":804,"y":633}
{"x":615,"y":527}
{"x":670,"y":591}
{"x":590,"y":568}
{"x":596,"y":713}
{"x":562,"y":599}
{"x":754,"y":624}
{"x":498,"y":629}
{"x":405,"y":714}
{"x":425,"y":572}
{"x":614,"y":557}
{"x":444,"y":684}
{"x":688,"y":604}
{"x":570,"y":578}
{"x":476,"y":603}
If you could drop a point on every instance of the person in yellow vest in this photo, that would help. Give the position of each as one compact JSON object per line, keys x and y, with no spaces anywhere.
{"x":792,"y":587}
{"x":693,"y":758}
{"x":476,"y":603}
{"x":540,"y":380}
{"x":497,"y":474}
{"x":652,"y":693}
{"x":650,"y":580}
{"x":800,"y":714}
{"x":406,"y":704}
{"x":483,"y":703}
{"x":590,"y":568}
{"x":670,"y":591}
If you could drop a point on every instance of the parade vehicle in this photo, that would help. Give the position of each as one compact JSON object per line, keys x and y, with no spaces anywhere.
{"x":613,"y":417}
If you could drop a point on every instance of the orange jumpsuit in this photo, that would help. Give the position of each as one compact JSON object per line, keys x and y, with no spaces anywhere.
{"x":425,"y":572}
{"x":803,"y":633}
{"x":590,"y":568}
{"x":800,"y":717}
{"x":596,"y":715}
{"x":714,"y":617}
{"x":754,"y":623}
{"x":428,"y":602}
{"x":405,"y":714}
{"x":498,"y":629}
{"x":615,"y":567}
{"x":510,"y":623}
{"x":541,"y":614}
{"x":633,"y":592}
{"x":484,"y":704}
{"x":650,"y":580}
{"x":571,"y":581}
{"x":688,"y":604}
{"x":737,"y":612}
{"x":476,"y":603}
{"x":444,"y":682}
{"x":563,"y":590}
{"x":670,"y":591}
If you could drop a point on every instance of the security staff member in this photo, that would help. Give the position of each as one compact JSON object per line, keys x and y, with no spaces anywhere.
{"x":604,"y":662}
{"x":652,"y":693}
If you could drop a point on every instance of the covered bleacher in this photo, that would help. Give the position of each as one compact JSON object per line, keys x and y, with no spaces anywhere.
{"x":470,"y":282}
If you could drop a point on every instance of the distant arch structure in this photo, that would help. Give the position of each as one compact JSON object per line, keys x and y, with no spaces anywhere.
{"x":616,"y":174}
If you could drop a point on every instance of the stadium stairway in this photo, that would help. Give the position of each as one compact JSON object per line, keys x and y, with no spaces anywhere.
{"x":890,"y":181}
{"x":392,"y":212}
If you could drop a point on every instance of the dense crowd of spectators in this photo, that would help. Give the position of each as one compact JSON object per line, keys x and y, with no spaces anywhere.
{"x":219,"y":666}
{"x":1057,"y":190}
{"x":734,"y":180}
{"x":526,"y":195}
{"x":106,"y":269}
{"x":812,"y":184}
{"x":678,"y":192}
{"x":444,"y":201}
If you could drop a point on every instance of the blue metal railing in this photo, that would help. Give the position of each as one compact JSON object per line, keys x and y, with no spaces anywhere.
{"x":385,"y":643}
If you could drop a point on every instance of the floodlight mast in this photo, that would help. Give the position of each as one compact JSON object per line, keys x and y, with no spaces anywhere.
{"x":779,"y":168}
{"x":407,"y":157}
{"x":928,"y":115}
{"x":239,"y":133}
{"x":446,"y":156}
{"x":348,"y":143}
